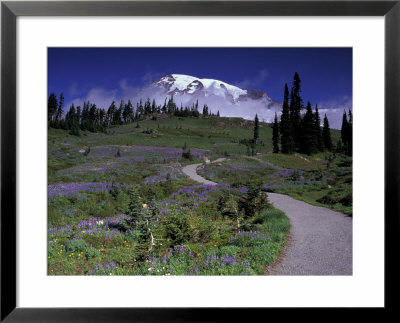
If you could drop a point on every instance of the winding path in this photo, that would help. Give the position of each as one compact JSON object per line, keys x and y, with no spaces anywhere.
{"x":320,"y":242}
{"x":190,"y":170}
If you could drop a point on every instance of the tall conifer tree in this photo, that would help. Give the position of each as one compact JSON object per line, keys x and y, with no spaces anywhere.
{"x":275,"y":135}
{"x":52,"y":105}
{"x":256,"y":129}
{"x":318,"y":134}
{"x":296,"y":104}
{"x":326,"y":134}
{"x":346,"y":134}
{"x":286,"y":131}
{"x":350,"y":135}
{"x":308,"y":143}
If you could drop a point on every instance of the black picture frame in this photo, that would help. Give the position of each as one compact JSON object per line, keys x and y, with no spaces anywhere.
{"x":10,"y":10}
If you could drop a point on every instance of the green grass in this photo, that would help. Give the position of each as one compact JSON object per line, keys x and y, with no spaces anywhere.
{"x":296,"y":161}
{"x":74,"y":251}
{"x":313,"y":194}
{"x":224,"y":253}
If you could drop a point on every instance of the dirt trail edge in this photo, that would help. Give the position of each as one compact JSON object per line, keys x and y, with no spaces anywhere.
{"x":320,"y":242}
{"x":190,"y":170}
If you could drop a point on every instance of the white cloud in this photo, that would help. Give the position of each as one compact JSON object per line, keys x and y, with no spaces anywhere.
{"x":252,"y":83}
{"x":334,"y":110}
{"x":99,"y":96}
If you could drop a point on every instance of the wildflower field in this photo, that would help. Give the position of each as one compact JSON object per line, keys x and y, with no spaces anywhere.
{"x":119,"y":203}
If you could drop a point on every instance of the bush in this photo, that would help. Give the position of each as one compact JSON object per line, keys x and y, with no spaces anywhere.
{"x":206,"y":230}
{"x":177,"y":229}
{"x":335,"y":197}
{"x":186,"y":154}
{"x":347,"y":200}
{"x":75,"y":131}
{"x":253,"y":202}
{"x":294,"y":177}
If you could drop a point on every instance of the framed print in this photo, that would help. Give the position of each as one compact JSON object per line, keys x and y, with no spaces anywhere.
{"x":194,"y":152}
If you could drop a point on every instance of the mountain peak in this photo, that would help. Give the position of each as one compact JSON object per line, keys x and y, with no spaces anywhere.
{"x":187,"y":84}
{"x":221,"y":96}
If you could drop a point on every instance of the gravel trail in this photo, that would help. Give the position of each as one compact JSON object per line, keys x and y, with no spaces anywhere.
{"x":320,"y":242}
{"x":190,"y":170}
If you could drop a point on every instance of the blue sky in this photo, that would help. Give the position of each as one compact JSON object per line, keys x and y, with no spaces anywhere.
{"x":106,"y":73}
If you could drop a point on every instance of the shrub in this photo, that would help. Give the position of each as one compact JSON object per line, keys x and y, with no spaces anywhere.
{"x":347,"y":200}
{"x":186,"y":154}
{"x":253,"y":202}
{"x":114,"y":191}
{"x":206,"y":230}
{"x":177,"y":229}
{"x":75,"y":131}
{"x":294,"y":177}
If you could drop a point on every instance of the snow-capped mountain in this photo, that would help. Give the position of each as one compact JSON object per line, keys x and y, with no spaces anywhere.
{"x":178,"y":84}
{"x":220,"y":96}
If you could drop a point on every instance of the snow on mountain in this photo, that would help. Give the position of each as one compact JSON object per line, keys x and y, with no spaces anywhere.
{"x":220,"y":96}
{"x":180,"y":84}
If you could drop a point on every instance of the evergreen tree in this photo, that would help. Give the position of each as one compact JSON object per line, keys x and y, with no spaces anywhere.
{"x":164,"y":107}
{"x":85,"y":116}
{"x":118,"y":114}
{"x":102,"y":115}
{"x":171,"y":106}
{"x":127,"y":113}
{"x":318,"y":133}
{"x":92,"y":118}
{"x":153,"y":106}
{"x":350,"y":135}
{"x":78,"y":115}
{"x":147,"y":107}
{"x":139,"y":109}
{"x":134,"y":207}
{"x":287,"y":143}
{"x":275,"y":135}
{"x":344,"y":129}
{"x":296,"y":104}
{"x":205,"y":110}
{"x":52,"y":105}
{"x":70,"y":117}
{"x":346,"y":134}
{"x":326,"y":134}
{"x":111,"y":113}
{"x":60,"y":108}
{"x":256,"y":129}
{"x":308,"y":143}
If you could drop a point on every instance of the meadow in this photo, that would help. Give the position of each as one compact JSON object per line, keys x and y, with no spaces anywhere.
{"x":96,"y":181}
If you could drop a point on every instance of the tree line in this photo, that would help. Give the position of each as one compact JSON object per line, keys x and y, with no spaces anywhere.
{"x":301,"y":132}
{"x":94,"y":119}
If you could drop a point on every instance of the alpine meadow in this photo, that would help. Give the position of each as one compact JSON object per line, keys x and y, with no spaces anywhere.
{"x":200,"y":161}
